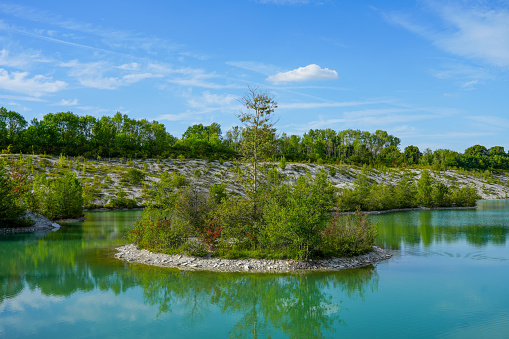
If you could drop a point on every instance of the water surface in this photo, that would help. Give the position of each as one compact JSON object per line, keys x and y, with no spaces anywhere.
{"x":447,"y":278}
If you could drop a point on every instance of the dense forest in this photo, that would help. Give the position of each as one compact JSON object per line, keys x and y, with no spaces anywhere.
{"x":120,"y":136}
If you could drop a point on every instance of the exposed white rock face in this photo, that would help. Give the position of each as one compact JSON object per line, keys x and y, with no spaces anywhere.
{"x":105,"y":175}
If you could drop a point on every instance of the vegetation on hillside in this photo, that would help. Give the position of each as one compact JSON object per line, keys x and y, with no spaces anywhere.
{"x":57,"y":198}
{"x":11,"y":213}
{"x":426,"y":192}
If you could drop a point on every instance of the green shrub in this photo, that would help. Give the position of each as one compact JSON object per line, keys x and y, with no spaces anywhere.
{"x":11,"y":214}
{"x":178,"y":180}
{"x":134,"y":176}
{"x":288,"y":221}
{"x":332,"y":171}
{"x":218,"y":192}
{"x":237,"y":222}
{"x":90,"y":193}
{"x":440,"y":195}
{"x":63,"y":198}
{"x":121,"y":201}
{"x":294,"y":215}
{"x":158,"y":232}
{"x":425,"y":189}
{"x":348,"y":235}
{"x":192,"y":207}
{"x":465,"y":196}
{"x":162,"y":193}
{"x":282,"y":163}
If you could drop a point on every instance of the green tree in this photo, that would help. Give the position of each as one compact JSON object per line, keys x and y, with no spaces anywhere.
{"x":259,"y":133}
{"x":11,"y":126}
{"x":11,"y":214}
{"x":440,"y":195}
{"x":64,"y":198}
{"x":477,"y":151}
{"x":497,"y":150}
{"x":233,"y":137}
{"x":412,"y":154}
{"x":425,"y":189}
{"x":296,"y":214}
{"x":134,"y":176}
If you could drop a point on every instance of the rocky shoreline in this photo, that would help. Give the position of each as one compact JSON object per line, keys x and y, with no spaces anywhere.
{"x":41,"y":223}
{"x":130,"y":253}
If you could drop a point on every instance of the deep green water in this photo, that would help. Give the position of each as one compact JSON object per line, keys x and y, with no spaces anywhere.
{"x":448,"y":278}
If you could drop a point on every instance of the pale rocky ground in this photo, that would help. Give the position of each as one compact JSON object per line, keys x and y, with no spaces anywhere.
{"x":105,"y":175}
{"x":130,"y":253}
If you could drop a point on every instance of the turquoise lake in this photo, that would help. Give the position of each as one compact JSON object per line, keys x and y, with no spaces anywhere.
{"x":448,"y":278}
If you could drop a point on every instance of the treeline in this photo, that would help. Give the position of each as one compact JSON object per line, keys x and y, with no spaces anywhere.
{"x":427,"y":192}
{"x":120,"y":136}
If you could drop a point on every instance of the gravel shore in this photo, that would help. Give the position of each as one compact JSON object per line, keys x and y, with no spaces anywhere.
{"x":130,"y":253}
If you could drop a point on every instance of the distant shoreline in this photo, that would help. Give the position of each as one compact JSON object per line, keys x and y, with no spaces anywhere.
{"x":413,"y":209}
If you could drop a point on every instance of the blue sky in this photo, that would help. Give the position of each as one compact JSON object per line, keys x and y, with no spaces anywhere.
{"x":433,"y":73}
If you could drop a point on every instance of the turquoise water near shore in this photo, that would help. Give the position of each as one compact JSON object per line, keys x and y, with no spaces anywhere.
{"x":447,"y":278}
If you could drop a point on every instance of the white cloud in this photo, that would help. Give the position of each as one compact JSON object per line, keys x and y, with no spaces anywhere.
{"x":454,"y":69}
{"x":9,"y":61}
{"x":113,"y":39}
{"x":37,"y":85}
{"x":375,"y":119}
{"x":480,"y":33}
{"x":309,"y":73}
{"x":21,"y":98}
{"x":203,"y":105}
{"x":65,"y":102}
{"x":133,"y":66}
{"x":20,"y":59}
{"x":469,"y":85}
{"x":475,"y":32}
{"x":176,"y":117}
{"x":208,"y":100}
{"x":92,"y":75}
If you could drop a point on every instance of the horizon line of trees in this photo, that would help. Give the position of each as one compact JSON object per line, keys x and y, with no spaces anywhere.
{"x":120,"y":136}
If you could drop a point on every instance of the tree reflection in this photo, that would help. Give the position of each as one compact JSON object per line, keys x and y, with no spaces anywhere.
{"x":74,"y":260}
{"x":64,"y":262}
{"x":429,"y":227}
{"x":296,"y":304}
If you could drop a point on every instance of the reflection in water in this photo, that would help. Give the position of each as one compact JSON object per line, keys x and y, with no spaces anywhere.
{"x":443,"y":226}
{"x":67,"y":283}
{"x":74,"y":259}
{"x":61,"y":262}
{"x":296,"y":304}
